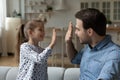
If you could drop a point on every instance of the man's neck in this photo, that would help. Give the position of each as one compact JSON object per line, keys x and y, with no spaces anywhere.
{"x":96,"y":40}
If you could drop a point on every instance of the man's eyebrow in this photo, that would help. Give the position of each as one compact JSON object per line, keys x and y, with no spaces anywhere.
{"x":76,"y":27}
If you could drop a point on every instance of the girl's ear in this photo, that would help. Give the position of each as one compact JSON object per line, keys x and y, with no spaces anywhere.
{"x":29,"y":32}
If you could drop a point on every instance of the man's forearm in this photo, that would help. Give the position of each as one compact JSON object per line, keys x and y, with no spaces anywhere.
{"x":70,"y":50}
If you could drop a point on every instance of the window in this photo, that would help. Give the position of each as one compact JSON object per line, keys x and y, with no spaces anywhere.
{"x":106,"y":9}
{"x":95,"y":5}
{"x":84,"y":5}
{"x":111,"y":8}
{"x":116,"y":10}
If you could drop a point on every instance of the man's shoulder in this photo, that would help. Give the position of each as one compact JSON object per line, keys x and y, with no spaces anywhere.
{"x":115,"y":47}
{"x":114,"y":52}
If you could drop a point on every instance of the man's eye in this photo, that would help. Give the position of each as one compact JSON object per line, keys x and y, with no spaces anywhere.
{"x":40,"y":29}
{"x":77,"y":29}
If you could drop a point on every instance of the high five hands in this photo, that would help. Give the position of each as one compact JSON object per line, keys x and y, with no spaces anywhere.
{"x":53,"y":41}
{"x":68,"y":37}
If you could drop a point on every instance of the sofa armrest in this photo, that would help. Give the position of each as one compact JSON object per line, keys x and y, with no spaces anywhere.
{"x":8,"y":73}
{"x":3,"y":72}
{"x":14,"y":72}
{"x":72,"y":74}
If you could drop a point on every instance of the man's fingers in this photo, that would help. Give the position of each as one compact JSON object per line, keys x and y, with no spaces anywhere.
{"x":70,"y":27}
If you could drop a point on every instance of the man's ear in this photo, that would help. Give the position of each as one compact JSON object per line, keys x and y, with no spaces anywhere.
{"x":90,"y":31}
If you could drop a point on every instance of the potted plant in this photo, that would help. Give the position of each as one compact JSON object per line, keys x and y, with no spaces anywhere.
{"x":49,"y":8}
{"x":19,"y":14}
{"x":109,"y":22}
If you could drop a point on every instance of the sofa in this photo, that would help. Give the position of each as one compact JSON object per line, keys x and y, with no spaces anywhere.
{"x":54,"y":73}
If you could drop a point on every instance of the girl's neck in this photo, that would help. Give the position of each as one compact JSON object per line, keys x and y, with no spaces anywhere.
{"x":33,"y":42}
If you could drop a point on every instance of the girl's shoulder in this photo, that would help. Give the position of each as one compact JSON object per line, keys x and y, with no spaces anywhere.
{"x":25,"y":45}
{"x":29,"y":46}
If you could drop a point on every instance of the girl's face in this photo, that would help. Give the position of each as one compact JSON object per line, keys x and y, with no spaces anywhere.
{"x":38,"y":33}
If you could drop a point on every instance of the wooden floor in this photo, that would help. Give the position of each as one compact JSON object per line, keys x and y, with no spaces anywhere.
{"x":11,"y":61}
{"x":8,"y":61}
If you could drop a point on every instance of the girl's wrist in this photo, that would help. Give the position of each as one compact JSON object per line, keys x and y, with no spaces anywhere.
{"x":51,"y":45}
{"x":49,"y":48}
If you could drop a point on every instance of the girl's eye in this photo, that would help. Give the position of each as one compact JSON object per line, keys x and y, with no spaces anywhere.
{"x":40,"y":29}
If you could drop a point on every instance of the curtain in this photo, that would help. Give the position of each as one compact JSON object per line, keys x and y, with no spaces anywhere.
{"x":3,"y":9}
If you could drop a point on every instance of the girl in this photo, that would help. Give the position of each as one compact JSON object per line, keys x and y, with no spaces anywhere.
{"x":33,"y":59}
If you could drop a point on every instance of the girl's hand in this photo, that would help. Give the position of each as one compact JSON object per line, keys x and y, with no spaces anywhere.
{"x":69,"y":33}
{"x":53,"y":41}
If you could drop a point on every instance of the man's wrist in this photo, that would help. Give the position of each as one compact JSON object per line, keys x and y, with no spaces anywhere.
{"x":69,"y":41}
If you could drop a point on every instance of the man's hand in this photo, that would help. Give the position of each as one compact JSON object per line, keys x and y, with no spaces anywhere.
{"x":70,"y":49}
{"x":69,"y":33}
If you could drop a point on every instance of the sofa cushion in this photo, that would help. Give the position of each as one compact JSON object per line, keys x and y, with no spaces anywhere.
{"x":12,"y":71}
{"x":55,"y":73}
{"x":3,"y":72}
{"x":72,"y":74}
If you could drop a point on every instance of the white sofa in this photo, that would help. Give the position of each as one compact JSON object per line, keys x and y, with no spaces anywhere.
{"x":54,"y":73}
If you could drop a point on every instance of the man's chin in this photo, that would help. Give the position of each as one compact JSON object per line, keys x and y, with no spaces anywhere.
{"x":81,"y":42}
{"x":41,"y":39}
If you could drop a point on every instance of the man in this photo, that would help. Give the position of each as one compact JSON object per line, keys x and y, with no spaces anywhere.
{"x":100,"y":58}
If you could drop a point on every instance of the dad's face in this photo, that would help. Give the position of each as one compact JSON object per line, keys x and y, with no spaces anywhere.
{"x":81,"y":33}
